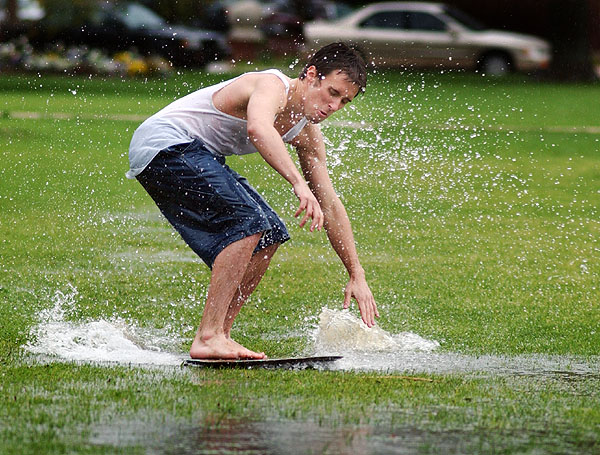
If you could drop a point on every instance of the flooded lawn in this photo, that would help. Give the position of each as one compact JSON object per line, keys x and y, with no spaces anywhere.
{"x":475,"y":210}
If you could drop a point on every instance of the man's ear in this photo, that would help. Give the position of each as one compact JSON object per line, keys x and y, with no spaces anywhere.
{"x":312,"y":75}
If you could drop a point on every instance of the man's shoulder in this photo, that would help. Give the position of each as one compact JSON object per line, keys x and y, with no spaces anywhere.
{"x":270,"y":76}
{"x":245,"y":85}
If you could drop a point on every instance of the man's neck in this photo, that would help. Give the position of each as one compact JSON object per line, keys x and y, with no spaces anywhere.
{"x":295,"y":104}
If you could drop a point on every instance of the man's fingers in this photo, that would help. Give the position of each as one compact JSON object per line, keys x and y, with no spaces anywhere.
{"x":305,"y":219}
{"x":308,"y":215}
{"x":374,"y":312}
{"x":368,"y":316}
{"x":313,"y":211}
{"x":368,"y":311}
{"x":359,"y":290}
{"x":347,"y":299}
{"x":321,"y":220}
{"x":301,"y":208}
{"x":317,"y":221}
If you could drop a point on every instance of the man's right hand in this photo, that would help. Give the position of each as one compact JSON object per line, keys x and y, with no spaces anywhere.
{"x":309,"y":205}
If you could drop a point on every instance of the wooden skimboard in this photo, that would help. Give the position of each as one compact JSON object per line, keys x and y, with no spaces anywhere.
{"x":284,"y":363}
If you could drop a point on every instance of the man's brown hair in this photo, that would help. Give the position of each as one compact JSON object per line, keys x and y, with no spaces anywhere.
{"x":341,"y":57}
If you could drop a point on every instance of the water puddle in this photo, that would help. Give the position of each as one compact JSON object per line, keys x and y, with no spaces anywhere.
{"x":231,"y":436}
{"x":223,"y":435}
{"x":338,"y":333}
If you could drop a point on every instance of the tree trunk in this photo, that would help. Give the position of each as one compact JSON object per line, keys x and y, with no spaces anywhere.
{"x":570,"y":22}
{"x":11,"y":12}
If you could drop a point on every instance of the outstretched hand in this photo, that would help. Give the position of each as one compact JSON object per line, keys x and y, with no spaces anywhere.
{"x":358,"y":289}
{"x":310,"y":206}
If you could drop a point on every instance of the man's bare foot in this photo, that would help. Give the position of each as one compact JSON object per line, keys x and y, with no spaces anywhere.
{"x":242,"y":347}
{"x":221,"y":347}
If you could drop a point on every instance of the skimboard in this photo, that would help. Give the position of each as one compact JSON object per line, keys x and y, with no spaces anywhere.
{"x":284,"y":363}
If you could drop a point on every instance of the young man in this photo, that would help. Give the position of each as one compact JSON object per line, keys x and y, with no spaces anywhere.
{"x":178,"y":155}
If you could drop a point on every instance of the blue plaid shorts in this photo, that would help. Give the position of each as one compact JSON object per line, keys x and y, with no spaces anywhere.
{"x":208,"y":203}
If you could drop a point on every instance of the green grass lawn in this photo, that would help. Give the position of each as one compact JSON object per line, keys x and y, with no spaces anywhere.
{"x":475,"y":205}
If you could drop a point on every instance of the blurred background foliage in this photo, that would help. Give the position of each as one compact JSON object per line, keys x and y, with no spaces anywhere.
{"x":63,"y":13}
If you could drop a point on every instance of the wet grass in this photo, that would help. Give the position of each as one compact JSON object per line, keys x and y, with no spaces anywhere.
{"x":483,"y":239}
{"x":106,"y":410}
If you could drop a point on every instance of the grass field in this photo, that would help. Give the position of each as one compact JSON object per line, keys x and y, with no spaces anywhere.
{"x":475,"y":206}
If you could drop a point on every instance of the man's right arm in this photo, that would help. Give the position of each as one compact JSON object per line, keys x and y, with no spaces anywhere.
{"x":311,"y":152}
{"x":263,"y":106}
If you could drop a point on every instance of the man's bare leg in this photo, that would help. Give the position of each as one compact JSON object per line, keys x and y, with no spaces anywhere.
{"x":228,"y":271}
{"x":254,"y":273}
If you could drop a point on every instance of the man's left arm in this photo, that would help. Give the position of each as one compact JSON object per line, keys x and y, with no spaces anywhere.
{"x":311,"y":154}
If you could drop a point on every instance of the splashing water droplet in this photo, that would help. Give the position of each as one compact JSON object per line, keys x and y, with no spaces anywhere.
{"x":341,"y":332}
{"x":93,"y":341}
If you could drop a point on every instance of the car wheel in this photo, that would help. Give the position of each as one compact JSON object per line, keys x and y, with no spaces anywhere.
{"x":495,"y":64}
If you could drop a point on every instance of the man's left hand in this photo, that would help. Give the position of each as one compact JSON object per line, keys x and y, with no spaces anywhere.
{"x":358,"y":289}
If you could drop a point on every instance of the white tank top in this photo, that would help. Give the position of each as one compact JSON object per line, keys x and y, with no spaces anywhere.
{"x":195,"y":117}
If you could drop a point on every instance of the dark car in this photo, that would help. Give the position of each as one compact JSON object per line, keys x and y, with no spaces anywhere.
{"x":279,"y":17}
{"x":131,"y":25}
{"x":287,"y":17}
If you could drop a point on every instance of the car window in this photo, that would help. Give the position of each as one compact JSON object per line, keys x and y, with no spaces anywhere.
{"x":416,"y":20}
{"x":384,"y":19}
{"x":135,"y":15}
{"x":464,"y":19}
{"x":101,"y":17}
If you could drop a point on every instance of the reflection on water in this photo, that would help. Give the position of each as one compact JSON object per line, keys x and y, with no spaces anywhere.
{"x":234,"y":436}
{"x":267,"y":437}
{"x":230,"y":436}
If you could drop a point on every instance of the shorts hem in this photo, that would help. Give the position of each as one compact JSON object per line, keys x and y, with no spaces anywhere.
{"x":239,"y":235}
{"x":274,"y":241}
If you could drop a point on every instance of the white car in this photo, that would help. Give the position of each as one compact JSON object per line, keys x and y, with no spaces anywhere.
{"x":430,"y":35}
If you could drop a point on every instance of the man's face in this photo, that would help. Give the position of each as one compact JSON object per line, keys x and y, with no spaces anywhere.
{"x":327,"y":95}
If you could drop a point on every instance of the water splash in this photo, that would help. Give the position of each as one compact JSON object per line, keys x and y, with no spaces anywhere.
{"x":340,"y":332}
{"x":96,"y":341}
{"x":374,"y":349}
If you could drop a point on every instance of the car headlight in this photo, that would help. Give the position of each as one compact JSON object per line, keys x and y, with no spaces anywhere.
{"x":536,"y":53}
